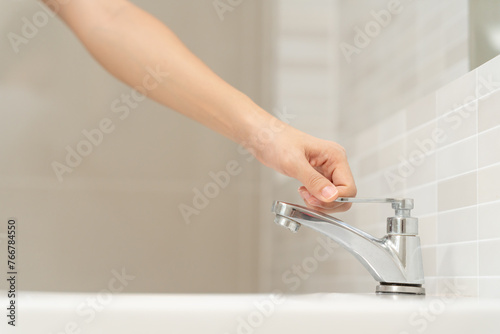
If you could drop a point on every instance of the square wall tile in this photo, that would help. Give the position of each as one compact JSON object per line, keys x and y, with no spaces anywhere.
{"x":489,"y":287}
{"x":425,"y":200}
{"x":429,"y":260}
{"x":392,"y":154}
{"x":457,"y":259}
{"x":457,"y":225}
{"x":457,"y":192}
{"x":489,"y":184}
{"x":425,"y":140}
{"x":489,"y":265}
{"x":371,"y":218}
{"x":488,"y":115}
{"x":456,"y":94}
{"x":370,"y":186}
{"x":456,"y":63}
{"x":392,"y":180}
{"x":427,"y":230}
{"x":489,"y":147}
{"x":431,"y":285}
{"x":488,"y":77}
{"x":457,"y":286}
{"x":489,"y":220}
{"x":457,"y":158}
{"x":423,"y":173}
{"x":458,"y":125}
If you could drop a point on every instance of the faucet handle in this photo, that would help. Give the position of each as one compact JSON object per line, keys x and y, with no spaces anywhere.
{"x":401,"y":205}
{"x":402,"y":223}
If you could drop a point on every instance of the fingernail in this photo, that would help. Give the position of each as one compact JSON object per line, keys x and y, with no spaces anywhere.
{"x":304,"y":194}
{"x":329,"y":191}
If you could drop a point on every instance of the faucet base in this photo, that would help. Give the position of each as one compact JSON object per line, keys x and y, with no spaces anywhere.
{"x":412,"y":289}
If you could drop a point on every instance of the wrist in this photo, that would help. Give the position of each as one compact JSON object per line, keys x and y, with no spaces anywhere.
{"x":263,"y":135}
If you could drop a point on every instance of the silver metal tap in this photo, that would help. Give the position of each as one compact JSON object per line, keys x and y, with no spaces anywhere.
{"x":394,"y":260}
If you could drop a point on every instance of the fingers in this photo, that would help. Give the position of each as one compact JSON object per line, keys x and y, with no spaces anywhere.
{"x":316,"y":174}
{"x":316,"y":184}
{"x":342,"y":177}
{"x":313,"y":203}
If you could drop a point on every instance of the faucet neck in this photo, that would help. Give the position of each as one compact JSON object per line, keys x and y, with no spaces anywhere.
{"x":395,"y":260}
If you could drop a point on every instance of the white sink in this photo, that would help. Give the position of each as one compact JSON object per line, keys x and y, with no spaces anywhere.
{"x":55,"y":313}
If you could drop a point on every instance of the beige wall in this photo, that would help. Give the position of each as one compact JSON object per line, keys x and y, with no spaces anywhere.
{"x":120,"y":207}
{"x":305,"y":81}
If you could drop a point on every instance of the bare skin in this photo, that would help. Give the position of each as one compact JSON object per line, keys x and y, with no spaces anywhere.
{"x":127,"y":42}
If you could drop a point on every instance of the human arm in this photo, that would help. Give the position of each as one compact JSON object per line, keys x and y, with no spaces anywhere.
{"x":130,"y":43}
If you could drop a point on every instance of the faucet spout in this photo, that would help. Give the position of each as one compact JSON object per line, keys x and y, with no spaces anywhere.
{"x":393,"y":260}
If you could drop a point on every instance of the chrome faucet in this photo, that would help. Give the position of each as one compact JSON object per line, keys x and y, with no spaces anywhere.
{"x":394,"y":260}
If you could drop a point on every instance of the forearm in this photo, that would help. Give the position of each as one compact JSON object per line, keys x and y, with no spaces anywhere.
{"x":131,"y":44}
{"x":127,"y":42}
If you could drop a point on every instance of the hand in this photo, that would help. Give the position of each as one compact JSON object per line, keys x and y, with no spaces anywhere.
{"x":320,"y":165}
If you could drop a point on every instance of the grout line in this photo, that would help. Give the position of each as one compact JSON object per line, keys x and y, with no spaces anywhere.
{"x":448,"y":277}
{"x":391,"y":141}
{"x":361,"y":156}
{"x":456,"y":142}
{"x":488,"y":203}
{"x":428,"y":215}
{"x":465,"y":242}
{"x":421,"y":126}
{"x":487,"y":130}
{"x":487,"y":95}
{"x":456,"y":209}
{"x":379,"y":173}
{"x":451,"y":111}
{"x":477,"y":183}
{"x":436,"y":169}
{"x":496,"y":164}
{"x":489,"y":239}
{"x":459,"y":243}
{"x":455,"y":176}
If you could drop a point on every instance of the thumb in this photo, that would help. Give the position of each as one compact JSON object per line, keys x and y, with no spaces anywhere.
{"x":318,"y":185}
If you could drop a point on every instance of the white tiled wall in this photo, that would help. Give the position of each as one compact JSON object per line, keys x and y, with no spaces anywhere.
{"x":420,"y":46}
{"x":442,"y":149}
{"x":455,"y":184}
{"x":304,"y":82}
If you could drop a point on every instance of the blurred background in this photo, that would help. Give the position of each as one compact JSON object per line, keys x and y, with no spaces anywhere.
{"x":120,"y":207}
